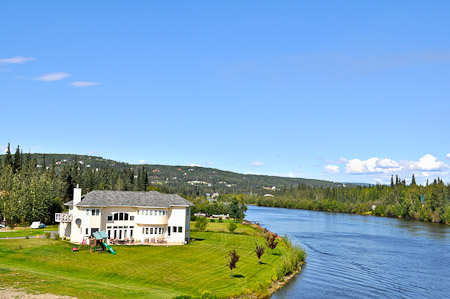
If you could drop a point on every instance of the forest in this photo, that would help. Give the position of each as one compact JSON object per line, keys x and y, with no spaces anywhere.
{"x":426,"y":203}
{"x":34,"y":186}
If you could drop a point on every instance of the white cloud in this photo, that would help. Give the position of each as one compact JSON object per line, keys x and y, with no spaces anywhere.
{"x":3,"y":148}
{"x":210,"y":163}
{"x":429,"y":162}
{"x":331,"y":169}
{"x":92,"y":152}
{"x":52,"y":76}
{"x":16,"y":60}
{"x":389,"y":166}
{"x":448,"y":156}
{"x":142,"y":161}
{"x":84,"y":83}
{"x":257,"y":163}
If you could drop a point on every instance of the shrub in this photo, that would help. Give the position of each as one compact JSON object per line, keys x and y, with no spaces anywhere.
{"x":212,"y":220}
{"x":47,"y":235}
{"x":57,"y":237}
{"x":220,"y":220}
{"x":201,"y":223}
{"x":259,"y":250}
{"x":291,"y":263}
{"x":232,"y":227}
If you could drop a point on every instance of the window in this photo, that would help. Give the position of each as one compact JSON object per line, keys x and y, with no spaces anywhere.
{"x":126,"y":216}
{"x":174,"y":229}
{"x":131,"y":218}
{"x":138,"y":212}
{"x":93,"y":230}
{"x":131,"y":226}
{"x":120,"y":216}
{"x":131,"y":233}
{"x":87,"y":231}
{"x":180,"y":229}
{"x":160,"y":213}
{"x":146,"y":212}
{"x":93,"y":212}
{"x":108,"y":227}
{"x":151,"y":230}
{"x":87,"y":212}
{"x":97,"y":212}
{"x":168,"y":230}
{"x":116,"y":216}
{"x":151,"y":212}
{"x":110,"y":218}
{"x":143,"y":230}
{"x":146,"y":230}
{"x":109,"y":234}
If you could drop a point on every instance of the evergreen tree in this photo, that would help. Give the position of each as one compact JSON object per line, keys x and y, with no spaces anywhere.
{"x":392,"y":181}
{"x":413,"y":180}
{"x":8,"y":157}
{"x":17,"y":160}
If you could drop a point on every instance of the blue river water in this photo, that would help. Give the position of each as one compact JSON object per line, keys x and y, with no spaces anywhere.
{"x":354,"y":256}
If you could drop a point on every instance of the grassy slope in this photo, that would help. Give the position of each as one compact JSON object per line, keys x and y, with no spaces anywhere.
{"x":21,"y":232}
{"x":49,"y":266}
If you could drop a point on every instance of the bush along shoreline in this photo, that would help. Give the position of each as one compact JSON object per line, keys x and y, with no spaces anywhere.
{"x":290,"y":265}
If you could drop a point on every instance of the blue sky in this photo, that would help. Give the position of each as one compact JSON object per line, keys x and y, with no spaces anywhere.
{"x":336,"y":90}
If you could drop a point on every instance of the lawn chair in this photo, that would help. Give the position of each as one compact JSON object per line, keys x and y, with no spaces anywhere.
{"x":146,"y":241}
{"x":132,"y":240}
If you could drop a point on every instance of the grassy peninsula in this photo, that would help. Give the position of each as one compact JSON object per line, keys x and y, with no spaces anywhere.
{"x":49,"y":266}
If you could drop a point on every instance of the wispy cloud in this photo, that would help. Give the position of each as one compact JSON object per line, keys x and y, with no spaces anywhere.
{"x":92,"y":152}
{"x":331,"y":169}
{"x":448,"y":156}
{"x":210,"y":163}
{"x":142,"y":161}
{"x":52,"y":76}
{"x":257,"y":163}
{"x":3,"y":148}
{"x":84,"y":83}
{"x":16,"y":60}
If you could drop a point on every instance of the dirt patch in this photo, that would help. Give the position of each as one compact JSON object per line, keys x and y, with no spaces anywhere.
{"x":9,"y":293}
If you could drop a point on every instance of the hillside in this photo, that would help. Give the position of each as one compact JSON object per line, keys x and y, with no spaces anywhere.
{"x":208,"y":180}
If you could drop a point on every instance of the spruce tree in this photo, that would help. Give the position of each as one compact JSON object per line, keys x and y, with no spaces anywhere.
{"x":8,"y":157}
{"x":413,"y":180}
{"x":17,"y":160}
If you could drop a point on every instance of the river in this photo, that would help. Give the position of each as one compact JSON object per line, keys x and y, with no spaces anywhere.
{"x":354,"y":256}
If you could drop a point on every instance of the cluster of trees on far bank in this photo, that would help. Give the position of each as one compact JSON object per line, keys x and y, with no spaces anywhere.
{"x":426,"y":203}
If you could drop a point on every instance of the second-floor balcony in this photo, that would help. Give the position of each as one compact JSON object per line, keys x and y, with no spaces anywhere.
{"x":63,"y":217}
{"x":146,"y":219}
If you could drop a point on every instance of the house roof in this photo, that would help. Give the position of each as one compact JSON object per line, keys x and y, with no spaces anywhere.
{"x":100,"y":198}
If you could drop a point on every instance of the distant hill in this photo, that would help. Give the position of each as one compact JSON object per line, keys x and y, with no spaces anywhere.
{"x":205,"y":179}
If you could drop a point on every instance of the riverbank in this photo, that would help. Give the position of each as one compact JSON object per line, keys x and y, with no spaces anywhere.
{"x":48,"y":266}
{"x":423,"y":213}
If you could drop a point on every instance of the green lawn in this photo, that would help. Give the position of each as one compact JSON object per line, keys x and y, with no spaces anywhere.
{"x":223,"y":227}
{"x":49,"y":266}
{"x":21,"y":232}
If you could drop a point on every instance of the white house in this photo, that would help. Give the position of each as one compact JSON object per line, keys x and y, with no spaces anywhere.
{"x":127,"y":215}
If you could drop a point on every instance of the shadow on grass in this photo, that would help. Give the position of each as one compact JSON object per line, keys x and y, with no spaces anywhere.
{"x":197,"y":239}
{"x":238,"y":276}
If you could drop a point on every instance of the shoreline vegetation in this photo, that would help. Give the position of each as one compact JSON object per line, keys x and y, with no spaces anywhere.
{"x":429,"y":203}
{"x":196,"y":270}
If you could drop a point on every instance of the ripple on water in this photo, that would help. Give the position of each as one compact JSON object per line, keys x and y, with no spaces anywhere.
{"x":352,"y":256}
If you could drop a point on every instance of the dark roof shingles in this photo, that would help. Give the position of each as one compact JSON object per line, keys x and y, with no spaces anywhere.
{"x":99,"y":198}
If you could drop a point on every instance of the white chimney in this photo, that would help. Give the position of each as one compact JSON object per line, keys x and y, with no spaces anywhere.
{"x":76,"y":195}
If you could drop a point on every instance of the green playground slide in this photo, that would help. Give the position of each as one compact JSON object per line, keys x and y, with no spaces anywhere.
{"x":112,"y":251}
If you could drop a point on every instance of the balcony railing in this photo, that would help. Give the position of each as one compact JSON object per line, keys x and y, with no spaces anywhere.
{"x":63,"y":217}
{"x":146,"y":219}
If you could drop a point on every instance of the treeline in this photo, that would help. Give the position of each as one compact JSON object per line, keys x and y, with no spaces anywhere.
{"x":426,"y":203}
{"x":35,"y":192}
